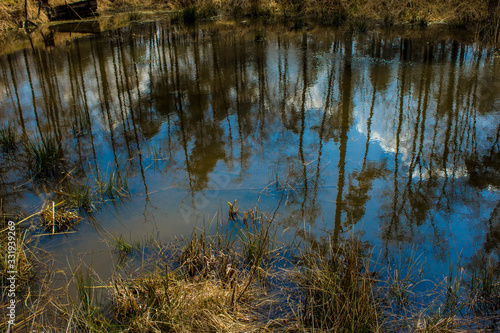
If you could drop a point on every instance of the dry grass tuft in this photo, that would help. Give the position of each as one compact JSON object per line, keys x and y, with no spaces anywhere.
{"x":23,"y":258}
{"x":339,"y":289}
{"x":58,"y":219}
{"x":159,"y":303}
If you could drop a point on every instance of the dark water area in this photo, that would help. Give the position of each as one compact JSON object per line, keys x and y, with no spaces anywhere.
{"x":395,"y":139}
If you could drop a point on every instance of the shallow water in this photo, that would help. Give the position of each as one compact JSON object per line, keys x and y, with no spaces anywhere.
{"x":395,"y":138}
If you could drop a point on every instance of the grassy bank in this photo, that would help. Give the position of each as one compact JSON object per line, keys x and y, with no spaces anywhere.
{"x":483,"y":17}
{"x":239,"y":278}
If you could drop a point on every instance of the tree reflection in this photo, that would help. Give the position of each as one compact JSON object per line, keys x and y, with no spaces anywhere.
{"x":333,"y":114}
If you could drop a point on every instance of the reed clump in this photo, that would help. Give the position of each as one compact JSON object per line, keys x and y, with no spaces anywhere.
{"x":358,"y":26}
{"x":339,"y":290}
{"x":78,"y":198}
{"x":55,"y":218}
{"x":89,"y":193}
{"x":189,"y":15}
{"x":245,"y":243}
{"x":45,"y":155}
{"x":484,"y":285}
{"x":167,"y":302}
{"x":134,"y":16}
{"x":123,"y":247}
{"x":8,"y":138}
{"x":114,"y":186}
{"x":79,"y":194}
{"x":86,"y":310}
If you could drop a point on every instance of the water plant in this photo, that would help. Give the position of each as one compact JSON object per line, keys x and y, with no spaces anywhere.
{"x":33,"y":275}
{"x":483,"y":285}
{"x":155,"y":151}
{"x":86,"y":312}
{"x":134,"y":16}
{"x":114,"y":186}
{"x":45,"y":155}
{"x":419,"y":21}
{"x":164,"y":301}
{"x":8,"y":138}
{"x":88,"y":194}
{"x":402,"y":279}
{"x":207,"y":284}
{"x":256,"y":237}
{"x":122,"y":246}
{"x":78,"y":194}
{"x":211,"y":288}
{"x":156,"y":155}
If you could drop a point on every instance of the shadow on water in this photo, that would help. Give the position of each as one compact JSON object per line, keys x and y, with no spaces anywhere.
{"x":395,"y":137}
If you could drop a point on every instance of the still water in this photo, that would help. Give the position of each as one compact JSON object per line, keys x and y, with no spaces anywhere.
{"x":394,"y":138}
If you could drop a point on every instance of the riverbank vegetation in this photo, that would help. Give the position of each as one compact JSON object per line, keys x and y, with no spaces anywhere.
{"x":482,"y":17}
{"x":239,"y":277}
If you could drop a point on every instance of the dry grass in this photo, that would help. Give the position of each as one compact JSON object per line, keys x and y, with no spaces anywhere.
{"x":455,"y":12}
{"x":23,"y":258}
{"x":45,"y":155}
{"x":169,"y":303}
{"x":10,"y":15}
{"x":57,"y":219}
{"x":339,"y":289}
{"x":13,"y":14}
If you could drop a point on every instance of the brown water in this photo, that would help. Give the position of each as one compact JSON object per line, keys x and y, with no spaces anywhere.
{"x":396,"y":138}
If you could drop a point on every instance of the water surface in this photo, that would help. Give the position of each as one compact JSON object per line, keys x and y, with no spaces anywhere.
{"x":395,"y":138}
